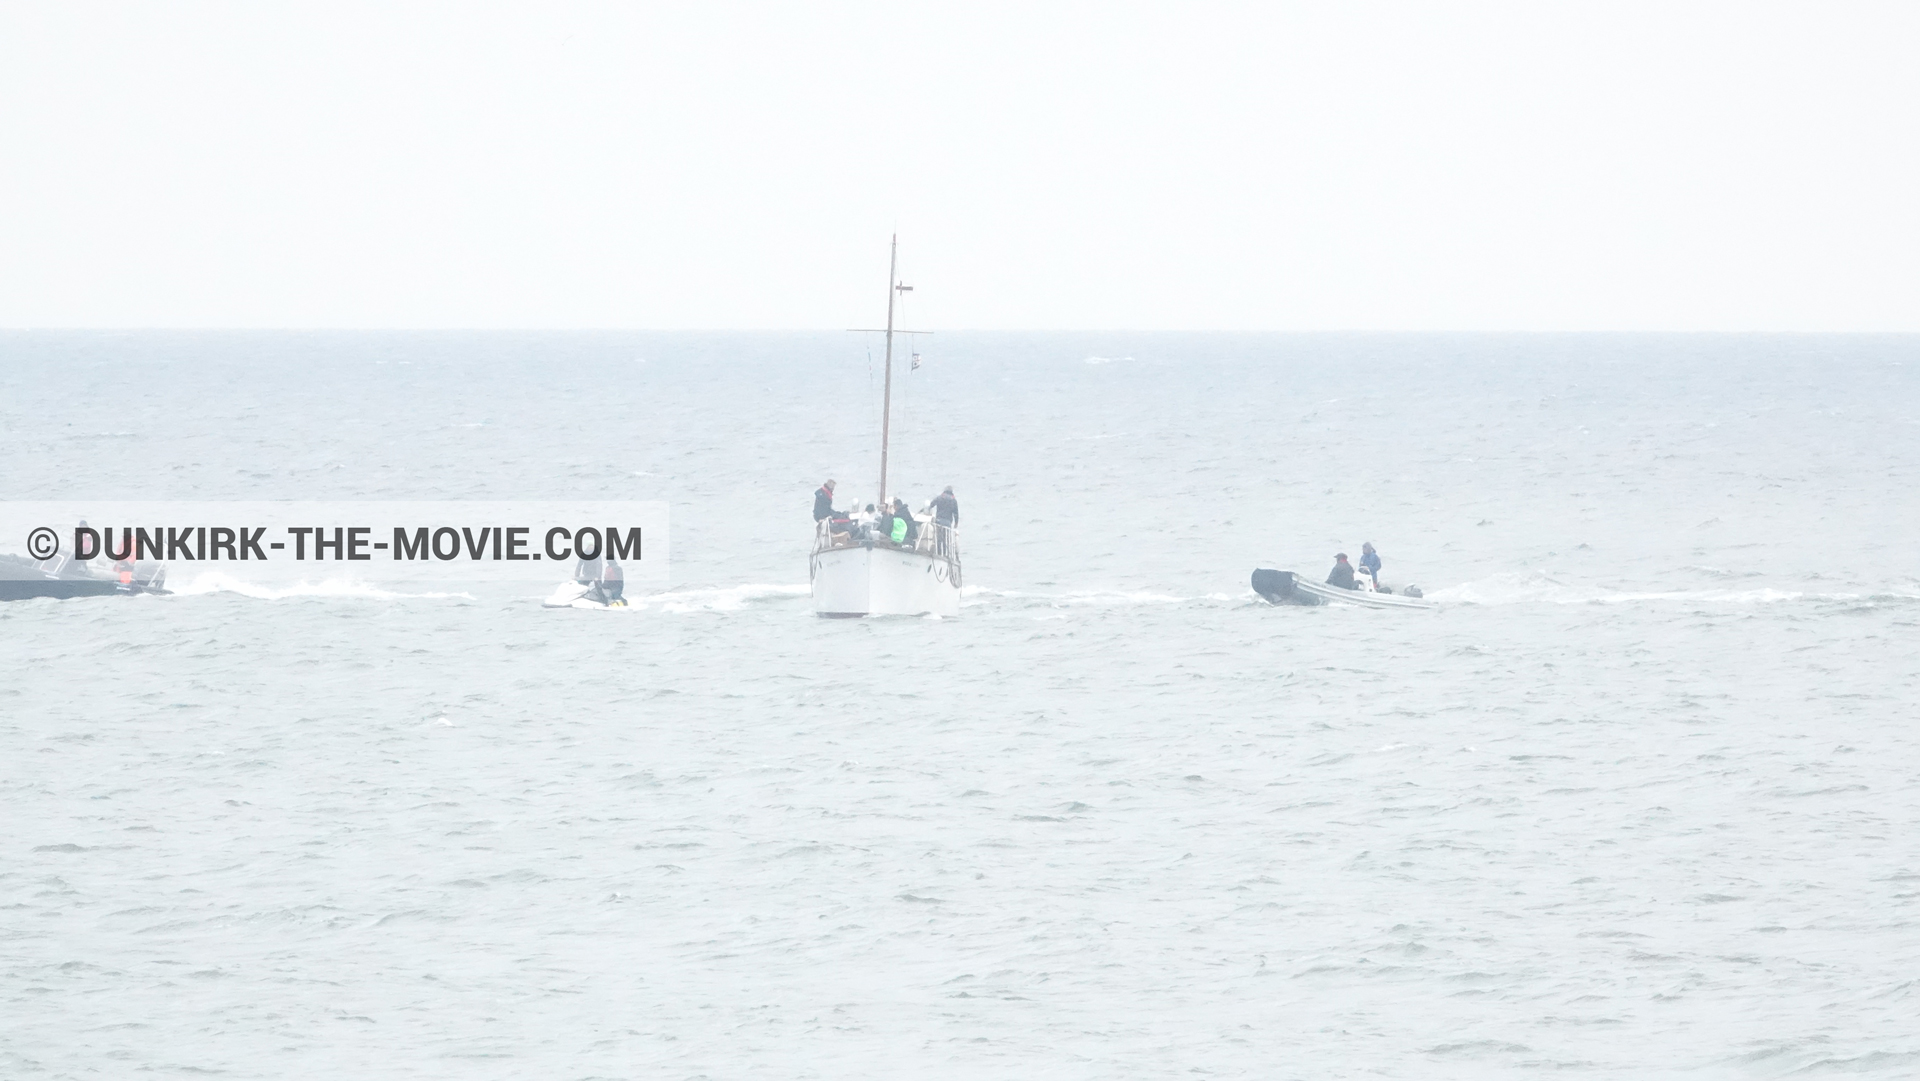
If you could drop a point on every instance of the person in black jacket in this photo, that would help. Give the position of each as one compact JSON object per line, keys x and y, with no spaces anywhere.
{"x":1342,"y":573}
{"x":823,"y":501}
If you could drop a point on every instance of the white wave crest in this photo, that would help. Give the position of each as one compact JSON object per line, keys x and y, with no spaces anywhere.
{"x":215,"y":582}
{"x":719,"y":599}
{"x":1533,"y":587}
{"x":1108,"y":598}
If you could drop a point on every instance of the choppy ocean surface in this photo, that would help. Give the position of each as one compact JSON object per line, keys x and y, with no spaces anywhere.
{"x":1641,"y":798}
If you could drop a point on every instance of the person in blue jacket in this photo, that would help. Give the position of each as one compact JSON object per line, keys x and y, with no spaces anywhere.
{"x":1370,"y":562}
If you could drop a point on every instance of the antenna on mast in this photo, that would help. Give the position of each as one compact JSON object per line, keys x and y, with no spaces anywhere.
{"x":895,"y":287}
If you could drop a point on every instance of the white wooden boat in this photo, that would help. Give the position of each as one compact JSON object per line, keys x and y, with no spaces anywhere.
{"x":875,"y":577}
{"x":856,"y":572}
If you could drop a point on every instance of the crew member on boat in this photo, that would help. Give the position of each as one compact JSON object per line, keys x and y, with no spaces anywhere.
{"x":839,"y":524}
{"x":904,"y":529}
{"x":1342,"y":573}
{"x":1370,"y":562}
{"x":946,"y":509}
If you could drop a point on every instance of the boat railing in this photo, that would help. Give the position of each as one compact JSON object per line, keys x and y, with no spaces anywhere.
{"x":931,"y":538}
{"x":940,"y":541}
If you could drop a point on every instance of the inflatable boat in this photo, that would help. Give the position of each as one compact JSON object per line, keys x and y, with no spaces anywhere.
{"x":61,"y":578}
{"x":1286,"y":587}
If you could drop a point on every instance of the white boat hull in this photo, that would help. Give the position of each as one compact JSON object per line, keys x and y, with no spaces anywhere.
{"x":861,"y":580}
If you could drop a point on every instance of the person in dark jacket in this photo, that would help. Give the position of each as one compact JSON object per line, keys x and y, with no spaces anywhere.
{"x":1370,"y":562}
{"x":946,"y":509}
{"x":613,"y":580}
{"x":1342,"y":573}
{"x":823,"y":501}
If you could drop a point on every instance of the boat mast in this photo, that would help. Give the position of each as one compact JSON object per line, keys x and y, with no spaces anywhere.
{"x":886,"y":408}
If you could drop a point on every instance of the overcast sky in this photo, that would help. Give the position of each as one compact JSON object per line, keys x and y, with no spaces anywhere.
{"x":1532,"y":166}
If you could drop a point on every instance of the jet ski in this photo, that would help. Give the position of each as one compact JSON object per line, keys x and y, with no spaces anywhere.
{"x":582,"y":595}
{"x":61,"y":578}
{"x":1286,"y":587}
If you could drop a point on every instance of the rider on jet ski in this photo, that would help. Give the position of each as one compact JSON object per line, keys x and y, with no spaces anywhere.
{"x":604,"y":579}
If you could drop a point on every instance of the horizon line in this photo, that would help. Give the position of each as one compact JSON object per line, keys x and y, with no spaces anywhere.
{"x":324,"y":329}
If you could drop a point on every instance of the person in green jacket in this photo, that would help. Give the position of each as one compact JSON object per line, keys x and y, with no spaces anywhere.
{"x":905,"y":529}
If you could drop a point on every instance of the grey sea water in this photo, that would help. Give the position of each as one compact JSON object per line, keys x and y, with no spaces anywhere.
{"x":1639,"y":798}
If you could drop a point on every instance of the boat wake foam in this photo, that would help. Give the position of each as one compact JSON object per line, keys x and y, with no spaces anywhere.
{"x":202,"y":584}
{"x":1533,"y":587}
{"x":718,"y":599}
{"x":976,"y":596}
{"x":749,"y":595}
